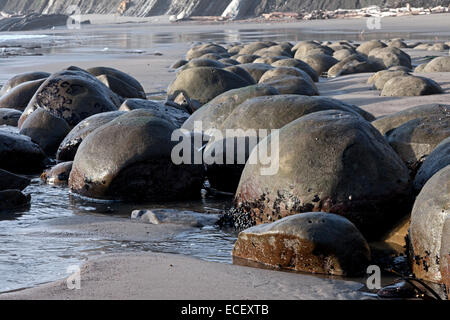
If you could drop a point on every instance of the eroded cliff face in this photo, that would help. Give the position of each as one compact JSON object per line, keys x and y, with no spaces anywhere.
{"x":247,"y":8}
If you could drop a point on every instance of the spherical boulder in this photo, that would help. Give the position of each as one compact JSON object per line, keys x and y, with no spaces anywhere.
{"x":120,"y":87}
{"x":379,"y":79}
{"x":200,"y":62}
{"x":439,"y":64}
{"x":293,"y":85}
{"x":241,"y":72}
{"x":329,"y":161}
{"x":269,"y":60}
{"x":19,"y":154}
{"x":430,"y":212}
{"x":175,"y":115}
{"x":178,"y":64}
{"x":130,"y":158}
{"x":19,"y":96}
{"x":21,"y":78}
{"x":417,"y":138}
{"x":9,"y":117}
{"x":438,"y":159}
{"x":385,"y":58}
{"x":299,"y":65}
{"x":313,"y":242}
{"x":307,"y":49}
{"x":342,"y":54}
{"x":214,"y":113}
{"x":368,"y":46}
{"x":352,"y":64}
{"x":388,"y":123}
{"x":117,"y":79}
{"x":259,"y":113}
{"x":69,"y":146}
{"x":408,"y":85}
{"x":321,"y":63}
{"x":204,"y":83}
{"x":256,"y":70}
{"x":200,"y":50}
{"x":46,"y":130}
{"x":72,"y":96}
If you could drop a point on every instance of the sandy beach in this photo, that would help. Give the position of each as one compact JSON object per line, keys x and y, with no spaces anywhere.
{"x":151,"y":275}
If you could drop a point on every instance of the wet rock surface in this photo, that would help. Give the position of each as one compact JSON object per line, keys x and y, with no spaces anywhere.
{"x":429,"y":214}
{"x":416,"y":139}
{"x":438,"y":159}
{"x":69,"y":146}
{"x":47,"y":130}
{"x":18,"y":97}
{"x":11,"y":181}
{"x":11,"y":200}
{"x":311,"y":242}
{"x":72,"y":95}
{"x":130,"y":158}
{"x":346,"y":180}
{"x":19,"y":154}
{"x":203,"y":84}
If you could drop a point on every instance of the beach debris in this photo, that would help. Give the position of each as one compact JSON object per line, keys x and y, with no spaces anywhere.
{"x":123,"y":6}
{"x":172,"y":216}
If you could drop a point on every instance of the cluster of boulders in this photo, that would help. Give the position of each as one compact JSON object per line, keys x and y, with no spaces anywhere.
{"x":339,"y":178}
{"x":345,"y":178}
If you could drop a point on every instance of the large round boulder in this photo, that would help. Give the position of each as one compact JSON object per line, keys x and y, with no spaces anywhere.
{"x":417,"y":138}
{"x":299,"y":65}
{"x":21,"y":78}
{"x":430,"y":212}
{"x":46,"y":130}
{"x":123,"y":89}
{"x":259,"y":113}
{"x":131,"y":158}
{"x":368,"y":46}
{"x":390,"y":122}
{"x":241,"y":72}
{"x":353,"y":64}
{"x":72,"y":96}
{"x":69,"y":146}
{"x":19,"y":96}
{"x":214,"y":113}
{"x":308,"y":48}
{"x":256,"y":70}
{"x":19,"y":154}
{"x":175,"y":115}
{"x":313,"y":242}
{"x":379,"y":79}
{"x":439,"y":64}
{"x":201,"y":62}
{"x":384,"y":58}
{"x":408,"y":85}
{"x":321,"y":63}
{"x":200,"y":50}
{"x":329,"y":161}
{"x":204,"y":84}
{"x":438,"y":159}
{"x":290,"y":80}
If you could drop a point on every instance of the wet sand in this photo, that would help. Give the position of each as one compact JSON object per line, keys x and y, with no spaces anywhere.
{"x":165,"y":276}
